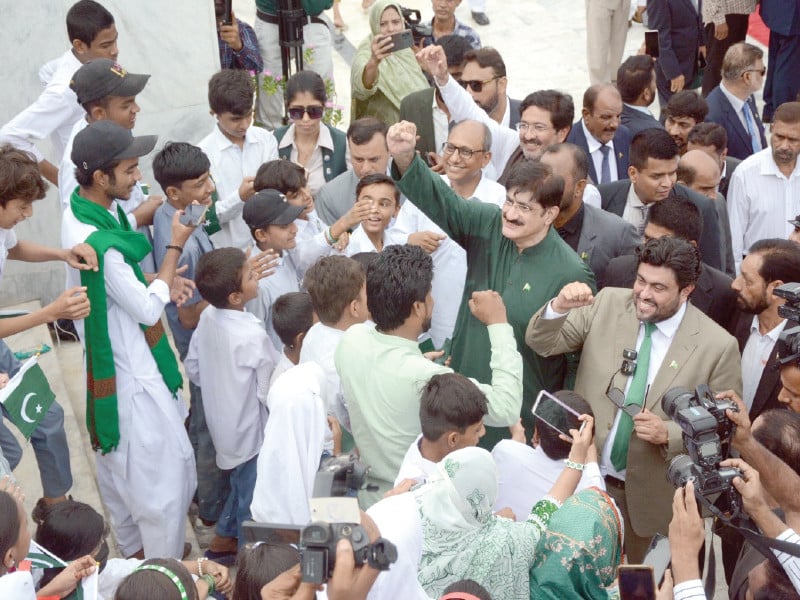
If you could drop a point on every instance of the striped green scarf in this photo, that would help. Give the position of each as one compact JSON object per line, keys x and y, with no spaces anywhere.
{"x":102,"y":417}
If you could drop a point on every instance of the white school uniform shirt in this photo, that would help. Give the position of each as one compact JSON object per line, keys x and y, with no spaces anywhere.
{"x":761,"y":201}
{"x":230,"y":360}
{"x":52,"y":114}
{"x":311,"y":243}
{"x":8,"y":239}
{"x":449,"y":259}
{"x":319,"y":346}
{"x":526,"y":475}
{"x":229,"y":166}
{"x":282,"y":281}
{"x":360,"y":242}
{"x":293,"y":439}
{"x":283,"y":365}
{"x":414,"y":465}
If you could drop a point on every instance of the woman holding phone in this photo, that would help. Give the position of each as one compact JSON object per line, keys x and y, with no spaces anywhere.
{"x":383,"y":71}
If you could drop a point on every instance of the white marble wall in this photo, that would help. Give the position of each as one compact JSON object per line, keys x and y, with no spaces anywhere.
{"x":174,"y":41}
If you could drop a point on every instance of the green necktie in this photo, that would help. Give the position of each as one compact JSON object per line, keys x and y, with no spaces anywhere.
{"x":619,"y":451}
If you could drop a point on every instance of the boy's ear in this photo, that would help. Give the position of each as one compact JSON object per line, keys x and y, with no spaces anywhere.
{"x":452,"y":439}
{"x":98,"y":113}
{"x":396,"y":208}
{"x":172,"y":192}
{"x":298,"y":339}
{"x":261,"y":235}
{"x":79,"y":46}
{"x":235,"y":299}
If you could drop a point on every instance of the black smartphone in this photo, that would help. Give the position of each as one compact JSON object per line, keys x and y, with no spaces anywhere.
{"x":402,"y":39}
{"x":651,"y":47}
{"x":658,"y":556}
{"x":636,"y":582}
{"x":194,"y":215}
{"x":227,"y":19}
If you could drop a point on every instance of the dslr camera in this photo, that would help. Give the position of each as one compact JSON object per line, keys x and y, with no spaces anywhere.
{"x":341,"y":475}
{"x":788,"y":346}
{"x":707,"y":435}
{"x":412,"y":19}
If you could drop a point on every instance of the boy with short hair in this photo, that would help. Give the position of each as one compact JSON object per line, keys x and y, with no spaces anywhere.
{"x":271,"y":220}
{"x":92,"y":34}
{"x":292,"y":317}
{"x":236,"y":149}
{"x":379,"y":192}
{"x":229,"y":359}
{"x":451,"y":413}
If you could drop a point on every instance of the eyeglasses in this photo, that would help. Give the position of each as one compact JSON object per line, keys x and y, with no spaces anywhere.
{"x":537,"y":127}
{"x":477,"y":86}
{"x":465,"y":152}
{"x":617,"y":397}
{"x":523,"y":208}
{"x":762,"y":71}
{"x":314,"y":112}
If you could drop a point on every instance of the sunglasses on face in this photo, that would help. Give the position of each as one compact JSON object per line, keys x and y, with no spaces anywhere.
{"x":477,"y":86}
{"x":314,"y":112}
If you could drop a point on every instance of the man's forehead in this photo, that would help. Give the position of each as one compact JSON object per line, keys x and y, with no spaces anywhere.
{"x":466,"y":132}
{"x":653,"y":274}
{"x":537,"y":114}
{"x":790,"y":378}
{"x":520,"y":194}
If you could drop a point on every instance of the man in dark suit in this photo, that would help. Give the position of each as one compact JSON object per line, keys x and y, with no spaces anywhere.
{"x":425,"y":108}
{"x":783,"y":77}
{"x":732,"y":104}
{"x":683,"y":111}
{"x":595,"y":234}
{"x":485,"y":79}
{"x":680,"y":38}
{"x":636,"y":82}
{"x":769,"y":264}
{"x":601,"y":135}
{"x":682,"y":346}
{"x":712,"y":139}
{"x":652,"y":172}
{"x":678,"y":217}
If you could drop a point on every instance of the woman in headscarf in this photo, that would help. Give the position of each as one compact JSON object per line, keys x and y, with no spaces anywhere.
{"x":379,"y":77}
{"x":577,"y":557}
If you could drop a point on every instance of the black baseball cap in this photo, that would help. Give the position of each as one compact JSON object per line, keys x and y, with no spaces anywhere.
{"x":269,"y":207}
{"x":103,"y":77}
{"x":104,"y":142}
{"x":795,"y":222}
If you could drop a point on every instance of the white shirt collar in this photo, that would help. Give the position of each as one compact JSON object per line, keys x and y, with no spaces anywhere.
{"x":641,"y":109}
{"x":633,"y":197}
{"x":773,"y":334}
{"x":668,"y":327}
{"x":593,"y":143}
{"x":736,"y":102}
{"x":324,"y":140}
{"x":221,"y":142}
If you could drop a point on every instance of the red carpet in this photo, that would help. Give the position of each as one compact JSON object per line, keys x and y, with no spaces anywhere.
{"x":757,"y":29}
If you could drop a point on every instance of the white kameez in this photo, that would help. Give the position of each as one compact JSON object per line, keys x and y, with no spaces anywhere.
{"x":147,"y":483}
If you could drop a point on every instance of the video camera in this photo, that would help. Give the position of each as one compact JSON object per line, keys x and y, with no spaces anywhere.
{"x":338,"y":480}
{"x":707,"y":435}
{"x":413,"y":21}
{"x":788,"y":346}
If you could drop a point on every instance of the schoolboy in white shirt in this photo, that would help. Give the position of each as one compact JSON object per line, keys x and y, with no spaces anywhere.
{"x":292,"y":317}
{"x":379,"y":192}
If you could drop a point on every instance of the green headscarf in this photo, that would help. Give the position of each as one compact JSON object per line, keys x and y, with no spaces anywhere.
{"x":577,"y":557}
{"x":399,"y":73}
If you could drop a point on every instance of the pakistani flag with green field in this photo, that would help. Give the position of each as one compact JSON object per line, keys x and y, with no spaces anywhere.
{"x":27,"y":397}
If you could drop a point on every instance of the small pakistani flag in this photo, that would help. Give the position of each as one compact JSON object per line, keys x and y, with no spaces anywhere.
{"x":41,"y":558}
{"x":27,"y":397}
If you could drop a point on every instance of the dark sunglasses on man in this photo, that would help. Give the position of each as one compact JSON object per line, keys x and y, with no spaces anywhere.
{"x":477,"y":86}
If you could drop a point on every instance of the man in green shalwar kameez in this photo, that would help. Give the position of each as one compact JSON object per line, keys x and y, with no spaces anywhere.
{"x":514,"y":251}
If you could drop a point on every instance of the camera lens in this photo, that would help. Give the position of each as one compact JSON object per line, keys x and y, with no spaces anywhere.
{"x":680,"y":470}
{"x":674,"y":400}
{"x":346,"y":530}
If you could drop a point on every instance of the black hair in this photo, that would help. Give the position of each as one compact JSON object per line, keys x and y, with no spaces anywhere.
{"x":778,"y":586}
{"x":283,"y":175}
{"x":231,"y":91}
{"x":219,"y":274}
{"x":680,"y":215}
{"x":788,"y":112}
{"x":558,"y":104}
{"x":553,"y":446}
{"x":103,"y":103}
{"x":399,"y":277}
{"x":687,"y":103}
{"x":534,"y":176}
{"x":676,"y":254}
{"x":634,"y":76}
{"x":9,"y":522}
{"x":145,"y":584}
{"x":487,"y":57}
{"x":306,"y":81}
{"x":455,"y":47}
{"x":779,"y":432}
{"x":20,"y":177}
{"x":653,"y":143}
{"x":256,"y":566}
{"x":375,"y":179}
{"x":780,"y":260}
{"x":292,"y":314}
{"x":333,"y":282}
{"x":468,"y":586}
{"x":365,"y":259}
{"x":87,"y":179}
{"x":709,"y":134}
{"x":361,"y":131}
{"x":178,"y":162}
{"x":580,"y":160}
{"x":87,"y":18}
{"x":450,"y":402}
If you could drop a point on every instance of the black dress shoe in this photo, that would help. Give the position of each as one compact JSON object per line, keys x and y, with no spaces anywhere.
{"x":480,"y":18}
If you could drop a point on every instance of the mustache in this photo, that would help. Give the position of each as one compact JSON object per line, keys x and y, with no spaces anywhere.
{"x":515,"y":222}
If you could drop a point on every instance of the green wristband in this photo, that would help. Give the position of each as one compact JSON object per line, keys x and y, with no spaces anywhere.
{"x":209,"y":579}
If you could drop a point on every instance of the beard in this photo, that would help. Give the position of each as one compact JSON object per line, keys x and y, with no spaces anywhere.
{"x":752,"y":308}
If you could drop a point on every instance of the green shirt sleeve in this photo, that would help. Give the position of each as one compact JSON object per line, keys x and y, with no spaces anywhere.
{"x":505,"y":392}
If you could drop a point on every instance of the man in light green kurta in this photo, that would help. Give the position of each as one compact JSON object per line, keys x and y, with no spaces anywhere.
{"x":514,"y":251}
{"x":383,"y":371}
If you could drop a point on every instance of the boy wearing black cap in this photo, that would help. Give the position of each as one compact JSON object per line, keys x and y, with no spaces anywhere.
{"x":135,"y":416}
{"x":106,"y":91}
{"x":271,"y":218}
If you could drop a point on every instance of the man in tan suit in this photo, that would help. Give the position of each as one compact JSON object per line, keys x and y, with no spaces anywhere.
{"x":677,"y":345}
